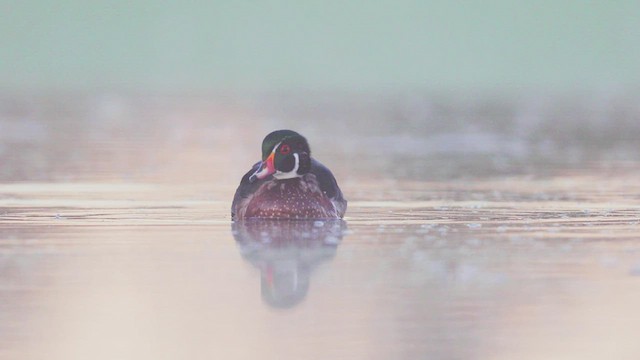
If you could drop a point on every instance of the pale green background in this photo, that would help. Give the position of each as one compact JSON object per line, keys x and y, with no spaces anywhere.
{"x":355,"y":45}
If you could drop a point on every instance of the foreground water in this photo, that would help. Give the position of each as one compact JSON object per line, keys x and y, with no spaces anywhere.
{"x":116,"y":242}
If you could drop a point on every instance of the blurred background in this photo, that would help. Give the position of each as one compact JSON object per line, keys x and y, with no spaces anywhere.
{"x":361,"y":46}
{"x":461,"y":88}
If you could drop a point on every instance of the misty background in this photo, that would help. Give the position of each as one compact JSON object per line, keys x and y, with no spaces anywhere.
{"x":241,"y":46}
{"x":432,"y":90}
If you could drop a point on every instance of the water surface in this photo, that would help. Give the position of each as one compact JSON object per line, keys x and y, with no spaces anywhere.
{"x":116,"y":239}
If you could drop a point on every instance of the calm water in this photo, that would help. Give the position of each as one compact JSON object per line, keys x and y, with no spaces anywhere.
{"x":475,"y":230}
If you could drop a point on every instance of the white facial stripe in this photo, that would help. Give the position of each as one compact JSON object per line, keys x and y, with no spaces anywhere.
{"x":291,"y":174}
{"x":297,"y":165}
{"x":276,"y":147}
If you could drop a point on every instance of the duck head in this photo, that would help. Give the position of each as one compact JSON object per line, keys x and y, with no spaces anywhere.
{"x":285,"y":155}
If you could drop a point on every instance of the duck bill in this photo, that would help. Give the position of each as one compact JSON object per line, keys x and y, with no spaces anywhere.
{"x":267,"y":168}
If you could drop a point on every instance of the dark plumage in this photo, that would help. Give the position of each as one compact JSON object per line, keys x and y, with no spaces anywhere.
{"x":288,"y":183}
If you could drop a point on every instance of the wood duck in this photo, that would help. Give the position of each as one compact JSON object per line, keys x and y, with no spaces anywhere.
{"x":288,"y":183}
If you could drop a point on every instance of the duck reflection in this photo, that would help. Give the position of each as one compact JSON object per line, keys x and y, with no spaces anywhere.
{"x":287,"y":252}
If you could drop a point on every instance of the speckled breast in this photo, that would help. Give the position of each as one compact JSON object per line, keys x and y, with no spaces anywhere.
{"x":298,"y":198}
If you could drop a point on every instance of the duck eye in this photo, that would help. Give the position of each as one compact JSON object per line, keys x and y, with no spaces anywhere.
{"x":285,"y":149}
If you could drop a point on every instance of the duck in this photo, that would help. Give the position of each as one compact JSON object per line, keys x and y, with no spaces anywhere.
{"x":288,"y":183}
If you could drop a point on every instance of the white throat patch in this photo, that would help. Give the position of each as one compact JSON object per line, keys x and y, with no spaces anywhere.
{"x":291,"y":174}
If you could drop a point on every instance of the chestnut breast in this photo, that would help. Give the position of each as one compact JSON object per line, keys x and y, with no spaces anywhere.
{"x":297,"y":198}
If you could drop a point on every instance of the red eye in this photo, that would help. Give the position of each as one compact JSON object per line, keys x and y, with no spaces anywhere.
{"x":285,"y":149}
